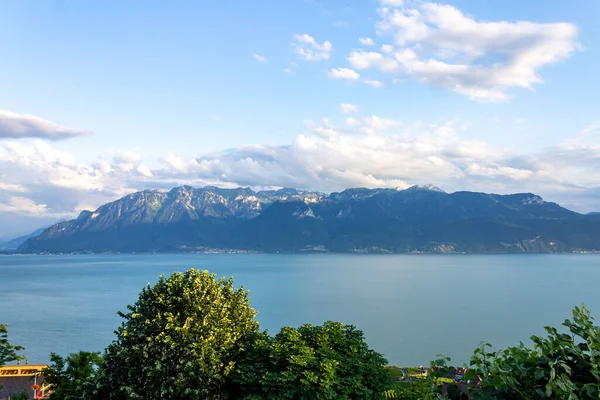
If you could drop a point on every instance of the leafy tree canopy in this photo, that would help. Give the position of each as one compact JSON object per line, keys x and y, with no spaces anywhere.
{"x":178,"y":340}
{"x":332,"y":361}
{"x":73,"y":377}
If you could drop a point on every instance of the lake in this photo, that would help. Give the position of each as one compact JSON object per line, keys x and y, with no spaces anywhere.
{"x":410,"y":307}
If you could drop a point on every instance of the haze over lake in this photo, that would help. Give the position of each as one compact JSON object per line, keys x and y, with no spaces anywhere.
{"x":411,"y":307}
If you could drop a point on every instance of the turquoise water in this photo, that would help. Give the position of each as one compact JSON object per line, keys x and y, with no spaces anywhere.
{"x":411,"y":307}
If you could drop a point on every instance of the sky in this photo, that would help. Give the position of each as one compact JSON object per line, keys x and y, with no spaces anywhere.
{"x":101,"y":99}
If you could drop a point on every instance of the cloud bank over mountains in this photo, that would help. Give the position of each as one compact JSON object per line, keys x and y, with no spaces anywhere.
{"x":434,"y":44}
{"x":38,"y":180}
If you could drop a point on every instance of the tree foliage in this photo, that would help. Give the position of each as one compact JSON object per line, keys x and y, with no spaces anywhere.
{"x":73,"y":377}
{"x":23,"y":395}
{"x":559,"y":366}
{"x":311,"y":362}
{"x":178,"y":340}
{"x":193,"y":336}
{"x":8,"y":351}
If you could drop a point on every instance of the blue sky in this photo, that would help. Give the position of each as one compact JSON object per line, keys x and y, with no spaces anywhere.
{"x":99,"y":99}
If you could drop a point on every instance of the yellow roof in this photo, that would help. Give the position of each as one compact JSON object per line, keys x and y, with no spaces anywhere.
{"x":21,"y":370}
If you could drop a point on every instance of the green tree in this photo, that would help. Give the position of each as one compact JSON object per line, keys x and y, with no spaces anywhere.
{"x":311,"y":362}
{"x":179,"y":340}
{"x":8,"y":351}
{"x":73,"y":377}
{"x":24,"y":395}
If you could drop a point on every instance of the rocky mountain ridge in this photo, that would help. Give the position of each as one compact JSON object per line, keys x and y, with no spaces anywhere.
{"x":417,"y":219}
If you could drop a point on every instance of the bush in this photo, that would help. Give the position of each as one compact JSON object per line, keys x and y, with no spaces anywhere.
{"x":560,"y":366}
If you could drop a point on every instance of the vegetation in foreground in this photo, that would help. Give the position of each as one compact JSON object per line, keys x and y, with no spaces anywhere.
{"x":10,"y":353}
{"x":192,"y":336}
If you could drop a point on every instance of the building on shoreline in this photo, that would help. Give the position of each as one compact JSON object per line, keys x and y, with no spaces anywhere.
{"x":18,"y":378}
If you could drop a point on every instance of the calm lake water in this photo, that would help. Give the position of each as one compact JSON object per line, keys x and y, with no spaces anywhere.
{"x":410,"y":307}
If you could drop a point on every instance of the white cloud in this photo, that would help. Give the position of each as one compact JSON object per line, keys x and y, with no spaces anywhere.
{"x":589,"y":134}
{"x":260,"y":59}
{"x":350,"y":121}
{"x":498,"y":171}
{"x":12,"y":187}
{"x":362,"y":60}
{"x":387,"y":48}
{"x":346,"y":108}
{"x":144,"y":171}
{"x":343,"y":73}
{"x":180,"y":164}
{"x":37,"y":155}
{"x":325,"y":129}
{"x":27,"y":207}
{"x":310,"y":50}
{"x":38,"y":180}
{"x":592,"y":129}
{"x":441,"y":46}
{"x":374,"y":124}
{"x":392,"y":3}
{"x":60,"y":185}
{"x":366,"y":41}
{"x":19,"y":126}
{"x":373,"y":82}
{"x":126,"y":161}
{"x":103,"y":166}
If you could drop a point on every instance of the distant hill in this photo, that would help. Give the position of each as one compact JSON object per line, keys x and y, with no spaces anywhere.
{"x":417,"y":219}
{"x":13,"y":244}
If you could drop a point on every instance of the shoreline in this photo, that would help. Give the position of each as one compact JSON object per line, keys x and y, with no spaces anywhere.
{"x":241,"y":251}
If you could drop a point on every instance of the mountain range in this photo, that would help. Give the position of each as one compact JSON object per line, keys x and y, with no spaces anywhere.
{"x":417,"y":219}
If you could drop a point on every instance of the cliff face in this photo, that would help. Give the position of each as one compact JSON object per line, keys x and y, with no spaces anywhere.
{"x":421,"y":218}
